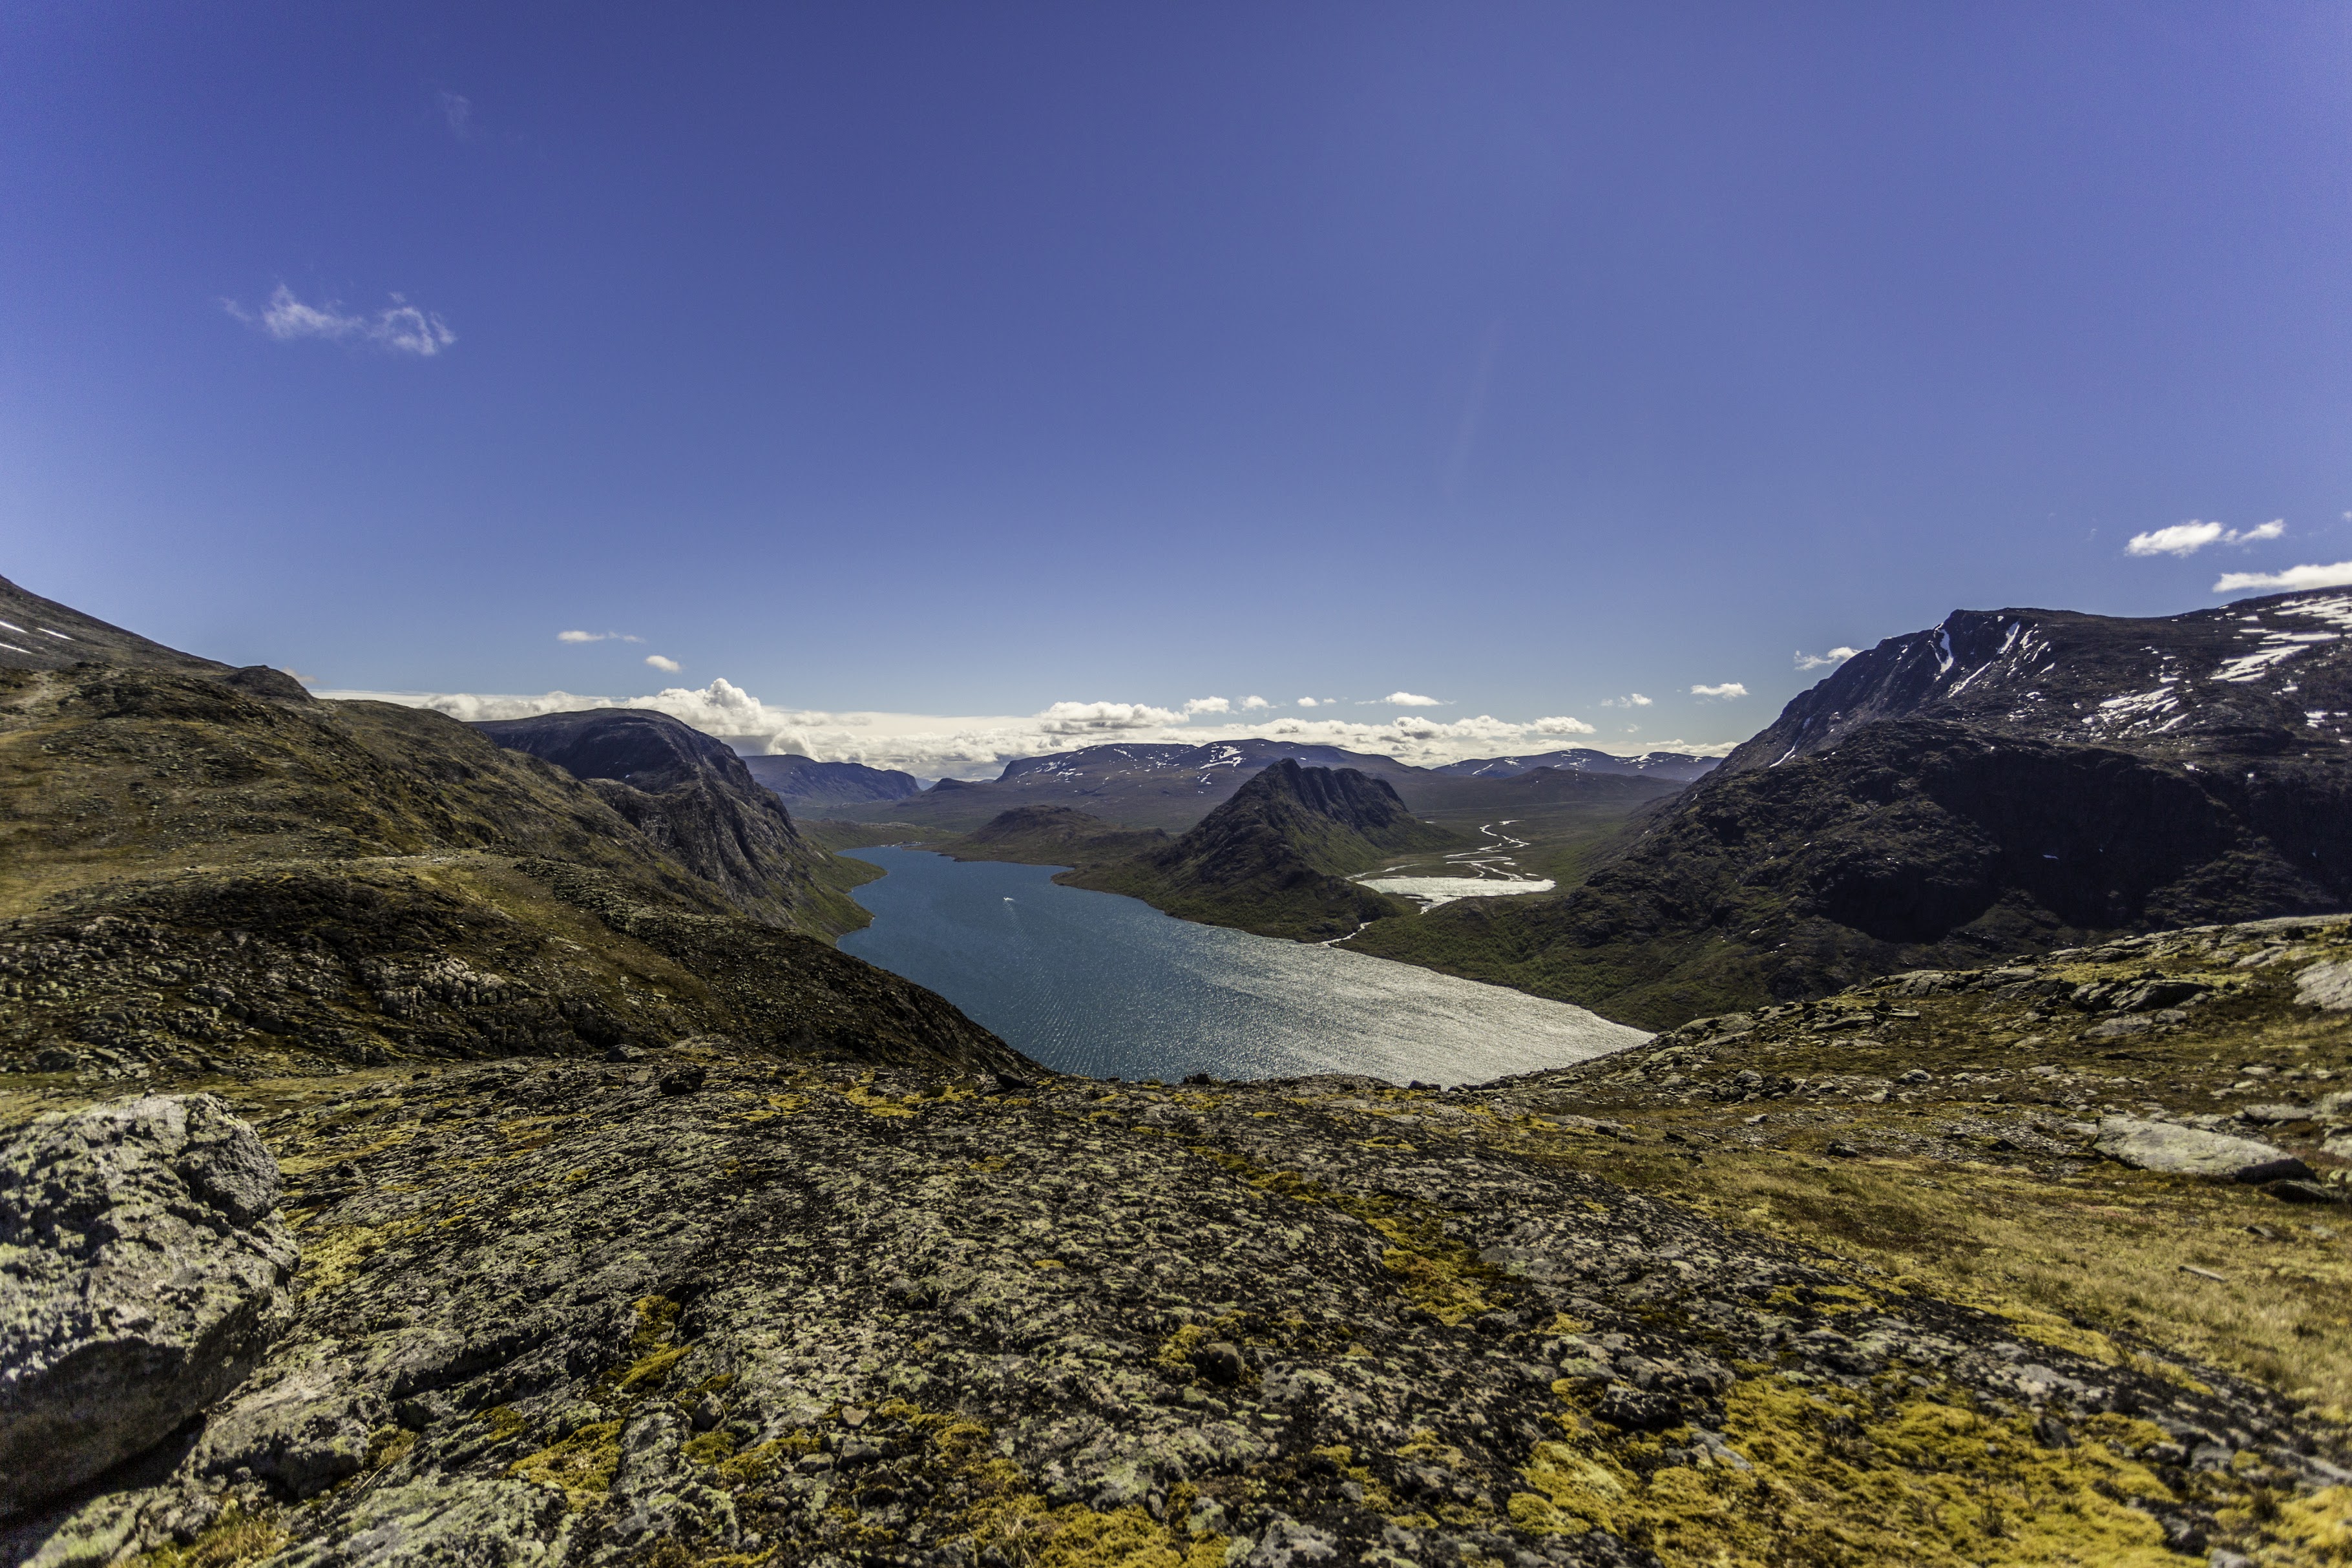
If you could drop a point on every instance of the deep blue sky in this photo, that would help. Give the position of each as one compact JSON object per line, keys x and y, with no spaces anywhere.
{"x":963,"y":359}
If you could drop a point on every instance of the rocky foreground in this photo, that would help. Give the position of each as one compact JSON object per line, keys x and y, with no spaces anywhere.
{"x":707,"y":1305}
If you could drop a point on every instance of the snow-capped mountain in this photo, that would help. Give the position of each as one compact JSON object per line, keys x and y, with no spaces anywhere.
{"x":2261,"y":677}
{"x":1680,"y":766}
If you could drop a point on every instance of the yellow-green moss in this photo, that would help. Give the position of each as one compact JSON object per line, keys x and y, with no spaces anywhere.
{"x":1931,"y":1484}
{"x":335,"y":1256}
{"x":233,"y":1539}
{"x":581,"y":1466}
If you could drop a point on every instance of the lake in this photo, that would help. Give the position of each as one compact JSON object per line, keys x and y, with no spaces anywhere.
{"x":1097,"y":984}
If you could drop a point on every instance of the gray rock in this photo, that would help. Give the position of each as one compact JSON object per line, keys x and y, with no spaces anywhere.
{"x":2187,"y":1151}
{"x":2275,"y":1113}
{"x":1287,"y":1543}
{"x":142,"y":1274}
{"x":2327,"y":986}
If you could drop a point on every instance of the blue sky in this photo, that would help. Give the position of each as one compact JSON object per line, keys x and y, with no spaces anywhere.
{"x":957,"y":361}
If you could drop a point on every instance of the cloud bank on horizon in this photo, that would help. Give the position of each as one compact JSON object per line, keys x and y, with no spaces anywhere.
{"x":972,"y":747}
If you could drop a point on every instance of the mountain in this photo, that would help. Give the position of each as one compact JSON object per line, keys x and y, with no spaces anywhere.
{"x":1274,"y":858}
{"x":1680,"y":766}
{"x":1136,"y":785}
{"x":2006,"y":782}
{"x":207,"y":876}
{"x":1051,"y":835}
{"x":808,"y":786}
{"x":693,"y":796}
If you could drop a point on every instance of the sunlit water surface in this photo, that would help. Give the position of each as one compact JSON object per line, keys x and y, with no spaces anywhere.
{"x":1097,"y":984}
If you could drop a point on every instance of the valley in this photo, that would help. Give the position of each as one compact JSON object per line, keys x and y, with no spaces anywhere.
{"x":561,"y":1192}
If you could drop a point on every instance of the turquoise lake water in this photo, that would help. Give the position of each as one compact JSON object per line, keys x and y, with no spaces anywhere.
{"x":1097,"y":984}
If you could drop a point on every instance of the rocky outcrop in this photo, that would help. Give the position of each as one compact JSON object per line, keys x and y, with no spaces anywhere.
{"x":2175,"y":1150}
{"x":142,"y":1275}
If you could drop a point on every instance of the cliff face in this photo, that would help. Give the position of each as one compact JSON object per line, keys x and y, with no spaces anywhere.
{"x":1274,"y":858}
{"x":695,"y":798}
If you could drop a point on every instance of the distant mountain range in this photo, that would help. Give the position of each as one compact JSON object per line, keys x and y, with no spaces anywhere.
{"x":808,"y":786}
{"x":1174,"y":786}
{"x":1678,"y":766}
{"x":1274,"y":858}
{"x":2006,"y":782}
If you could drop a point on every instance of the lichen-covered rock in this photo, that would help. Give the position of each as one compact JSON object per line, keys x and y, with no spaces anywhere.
{"x":2326,"y":985}
{"x":2190,"y":1150}
{"x":142,"y":1274}
{"x":557,"y":1317}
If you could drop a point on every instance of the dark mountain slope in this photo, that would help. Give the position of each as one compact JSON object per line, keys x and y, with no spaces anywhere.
{"x":694,"y":797}
{"x":1274,"y":858}
{"x":805,"y":785}
{"x":37,"y":634}
{"x":2005,"y":783}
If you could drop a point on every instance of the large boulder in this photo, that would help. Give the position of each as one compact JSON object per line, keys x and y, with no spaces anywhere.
{"x":143,"y":1271}
{"x":2190,"y":1151}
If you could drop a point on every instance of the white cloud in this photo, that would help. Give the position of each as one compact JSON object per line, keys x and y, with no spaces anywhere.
{"x":1208,"y":704}
{"x":399,"y":327}
{"x":596,"y":637}
{"x":1255,"y":703}
{"x":2187,"y":538}
{"x":978,"y":747}
{"x":666,"y":666}
{"x":2180,"y":539}
{"x":1411,"y":699}
{"x":1092,"y":718}
{"x":1726,"y":692}
{"x":2336,"y":576}
{"x":1823,"y":661}
{"x":458,"y":111}
{"x":1631,"y":699}
{"x":1306,"y":702}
